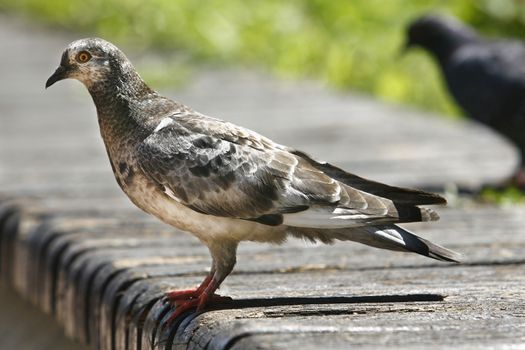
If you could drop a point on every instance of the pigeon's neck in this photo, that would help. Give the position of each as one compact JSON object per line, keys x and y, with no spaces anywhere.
{"x":125,"y":107}
{"x":445,"y":46}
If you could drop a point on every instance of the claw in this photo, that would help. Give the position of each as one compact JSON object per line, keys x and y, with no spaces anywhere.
{"x":182,"y":307}
{"x":198,"y":303}
{"x":189,"y":293}
{"x":198,"y":299}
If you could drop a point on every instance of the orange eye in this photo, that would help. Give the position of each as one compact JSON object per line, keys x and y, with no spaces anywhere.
{"x":83,"y":56}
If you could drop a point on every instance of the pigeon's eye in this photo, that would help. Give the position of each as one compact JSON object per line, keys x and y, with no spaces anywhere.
{"x":83,"y":56}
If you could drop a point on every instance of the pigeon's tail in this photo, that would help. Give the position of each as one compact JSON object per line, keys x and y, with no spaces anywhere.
{"x":393,"y":237}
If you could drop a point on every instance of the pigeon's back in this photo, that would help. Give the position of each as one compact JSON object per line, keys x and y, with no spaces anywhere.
{"x":487,"y":79}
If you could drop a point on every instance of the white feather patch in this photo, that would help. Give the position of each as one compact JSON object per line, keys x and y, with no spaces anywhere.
{"x":170,"y":194}
{"x":327,"y":218}
{"x":391,"y":234}
{"x":163,"y":123}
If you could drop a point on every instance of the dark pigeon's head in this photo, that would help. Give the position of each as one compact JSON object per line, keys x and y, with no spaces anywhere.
{"x":438,"y":34}
{"x":90,"y":61}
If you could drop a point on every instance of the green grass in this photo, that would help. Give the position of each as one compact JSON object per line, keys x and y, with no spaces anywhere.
{"x":509,"y":195}
{"x":348,"y":44}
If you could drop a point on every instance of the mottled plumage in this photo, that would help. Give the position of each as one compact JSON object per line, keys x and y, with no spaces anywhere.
{"x":485,"y":77}
{"x":226,"y":184}
{"x":217,"y":168}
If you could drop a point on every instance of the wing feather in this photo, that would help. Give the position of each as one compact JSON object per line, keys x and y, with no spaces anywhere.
{"x":397,"y":194}
{"x":220,"y":169}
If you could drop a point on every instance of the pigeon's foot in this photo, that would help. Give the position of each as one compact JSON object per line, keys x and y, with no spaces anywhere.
{"x":198,"y":298}
{"x":198,"y":303}
{"x":189,"y":293}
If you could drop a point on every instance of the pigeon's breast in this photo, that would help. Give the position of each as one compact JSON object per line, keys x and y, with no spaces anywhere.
{"x":124,"y":172}
{"x":152,"y":198}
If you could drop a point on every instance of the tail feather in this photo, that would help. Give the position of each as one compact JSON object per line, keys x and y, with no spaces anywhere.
{"x":407,"y":213}
{"x":391,"y":237}
{"x":394,"y":237}
{"x":397,"y":194}
{"x":435,"y":251}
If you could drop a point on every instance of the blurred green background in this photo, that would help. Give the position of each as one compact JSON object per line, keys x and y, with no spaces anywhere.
{"x":347,"y":44}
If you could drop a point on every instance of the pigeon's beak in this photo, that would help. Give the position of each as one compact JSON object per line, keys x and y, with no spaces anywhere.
{"x":60,"y":73}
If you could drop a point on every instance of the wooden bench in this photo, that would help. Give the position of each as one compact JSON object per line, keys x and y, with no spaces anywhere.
{"x":102,"y":275}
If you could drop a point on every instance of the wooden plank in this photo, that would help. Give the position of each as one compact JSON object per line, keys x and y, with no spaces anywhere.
{"x":117,"y":270}
{"x":9,"y":221}
{"x":22,"y":326}
{"x":479,"y":304}
{"x":256,"y":256}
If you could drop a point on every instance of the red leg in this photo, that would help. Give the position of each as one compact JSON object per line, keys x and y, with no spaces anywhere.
{"x":199,"y":301}
{"x":209,"y":296}
{"x":223,"y":262}
{"x":189,"y":293}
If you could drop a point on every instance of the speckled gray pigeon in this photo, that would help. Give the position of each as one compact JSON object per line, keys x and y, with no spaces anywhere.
{"x":485,"y":77}
{"x":226,"y":184}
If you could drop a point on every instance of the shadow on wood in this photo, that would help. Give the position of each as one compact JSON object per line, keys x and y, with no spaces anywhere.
{"x":260,"y":302}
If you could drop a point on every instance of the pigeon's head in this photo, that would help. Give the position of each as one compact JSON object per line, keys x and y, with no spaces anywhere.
{"x":90,"y":61}
{"x":438,"y":34}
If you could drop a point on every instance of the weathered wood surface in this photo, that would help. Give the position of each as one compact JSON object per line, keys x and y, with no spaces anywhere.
{"x":23,"y":327}
{"x":103,"y":279}
{"x":76,"y":248}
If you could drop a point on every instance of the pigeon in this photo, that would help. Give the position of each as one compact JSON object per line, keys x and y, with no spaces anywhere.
{"x":224,"y":183}
{"x":485,"y":77}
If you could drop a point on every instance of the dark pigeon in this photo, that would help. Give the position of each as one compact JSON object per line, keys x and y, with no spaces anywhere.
{"x":485,"y":77}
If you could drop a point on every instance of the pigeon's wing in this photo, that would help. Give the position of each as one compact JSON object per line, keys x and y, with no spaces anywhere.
{"x":233,"y":133}
{"x":398,"y":195}
{"x":220,"y":169}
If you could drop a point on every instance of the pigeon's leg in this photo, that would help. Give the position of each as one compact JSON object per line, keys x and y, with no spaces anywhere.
{"x":224,"y":258}
{"x":191,"y":293}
